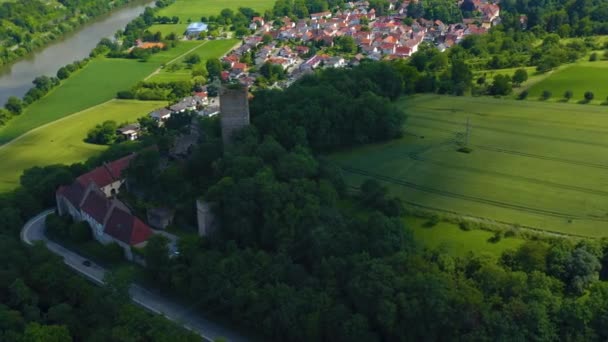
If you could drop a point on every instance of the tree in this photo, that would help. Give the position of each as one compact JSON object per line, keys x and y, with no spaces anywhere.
{"x":501,"y":85}
{"x":568,"y":95}
{"x":520,"y":76}
{"x":346,"y":44}
{"x":593,"y":57}
{"x":14,"y":105}
{"x":546,"y":95}
{"x":192,"y":59}
{"x":266,"y":38}
{"x":63,"y":73}
{"x":589,"y":96}
{"x":34,"y":332}
{"x":214,"y":68}
{"x":102,"y":134}
{"x":156,"y":254}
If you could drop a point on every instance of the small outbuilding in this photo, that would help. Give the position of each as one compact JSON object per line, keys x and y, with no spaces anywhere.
{"x":195,"y":29}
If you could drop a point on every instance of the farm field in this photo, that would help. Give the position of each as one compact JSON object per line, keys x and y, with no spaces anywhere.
{"x":195,"y":9}
{"x":450,"y":238}
{"x":210,"y":49}
{"x":578,"y":78}
{"x":61,"y":142}
{"x":98,"y":82}
{"x":539,"y":165}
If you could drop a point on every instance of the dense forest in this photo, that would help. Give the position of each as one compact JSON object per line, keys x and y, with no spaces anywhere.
{"x":299,"y":256}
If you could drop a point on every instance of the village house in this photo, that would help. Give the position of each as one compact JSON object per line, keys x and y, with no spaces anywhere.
{"x":129,"y":132}
{"x":160,"y":115}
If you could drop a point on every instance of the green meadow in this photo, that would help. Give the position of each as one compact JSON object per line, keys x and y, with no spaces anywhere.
{"x":96,"y":83}
{"x":62,"y":142}
{"x":449,"y":238}
{"x":193,"y":10}
{"x":578,"y":78}
{"x":210,"y":49}
{"x":534,"y":164}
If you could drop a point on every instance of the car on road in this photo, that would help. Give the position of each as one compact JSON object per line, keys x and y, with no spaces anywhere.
{"x":86,"y":263}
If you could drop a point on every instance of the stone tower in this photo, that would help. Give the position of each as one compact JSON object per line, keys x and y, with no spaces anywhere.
{"x":206,"y":220}
{"x":234,"y":110}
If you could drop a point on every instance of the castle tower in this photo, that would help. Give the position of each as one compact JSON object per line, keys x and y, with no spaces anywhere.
{"x":234,"y":110}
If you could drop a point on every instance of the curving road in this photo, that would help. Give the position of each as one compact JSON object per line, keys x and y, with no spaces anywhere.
{"x":33,"y":231}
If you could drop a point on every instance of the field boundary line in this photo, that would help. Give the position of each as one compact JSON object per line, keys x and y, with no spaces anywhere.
{"x":175,"y":59}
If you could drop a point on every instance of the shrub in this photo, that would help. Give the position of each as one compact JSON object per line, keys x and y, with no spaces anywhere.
{"x":523,"y":95}
{"x":568,"y":95}
{"x":593,"y":57}
{"x":589,"y":96}
{"x":546,"y":95}
{"x":496,"y":237}
{"x":465,"y":225}
{"x":433,"y":221}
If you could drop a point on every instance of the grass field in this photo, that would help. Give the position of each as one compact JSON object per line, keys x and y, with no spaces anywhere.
{"x":61,"y":142}
{"x":450,"y":238}
{"x":536,"y":164}
{"x":195,"y":9}
{"x":98,"y":82}
{"x":578,"y":78}
{"x":211,"y":49}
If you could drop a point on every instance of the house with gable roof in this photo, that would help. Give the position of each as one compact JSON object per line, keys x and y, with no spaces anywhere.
{"x":91,"y":198}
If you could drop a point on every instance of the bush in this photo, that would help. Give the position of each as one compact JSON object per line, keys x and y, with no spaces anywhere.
{"x":433,"y":221}
{"x":546,"y":95}
{"x":523,"y":95}
{"x":465,"y":225}
{"x":496,"y":237}
{"x":80,"y":232}
{"x":125,"y":95}
{"x":589,"y":96}
{"x":593,"y":57}
{"x":103,"y":134}
{"x":568,"y":95}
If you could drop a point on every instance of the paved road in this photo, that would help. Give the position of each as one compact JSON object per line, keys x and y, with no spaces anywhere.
{"x":33,"y":231}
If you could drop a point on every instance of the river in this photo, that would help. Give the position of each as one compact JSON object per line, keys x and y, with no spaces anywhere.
{"x":16,"y":79}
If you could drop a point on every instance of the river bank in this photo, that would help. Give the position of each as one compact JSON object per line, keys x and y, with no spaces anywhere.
{"x":16,"y":79}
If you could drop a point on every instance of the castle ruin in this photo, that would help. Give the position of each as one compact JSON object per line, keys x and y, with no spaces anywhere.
{"x":234,"y":110}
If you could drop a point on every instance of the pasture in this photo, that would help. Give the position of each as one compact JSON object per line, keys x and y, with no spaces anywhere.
{"x":535,"y":164}
{"x":578,"y":78}
{"x":96,"y":83}
{"x":193,"y":10}
{"x":207,"y":50}
{"x":61,"y":142}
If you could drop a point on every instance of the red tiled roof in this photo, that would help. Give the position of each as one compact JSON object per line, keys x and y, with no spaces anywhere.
{"x":72,"y":193}
{"x":127,"y":228}
{"x":96,"y":205}
{"x":107,"y":173}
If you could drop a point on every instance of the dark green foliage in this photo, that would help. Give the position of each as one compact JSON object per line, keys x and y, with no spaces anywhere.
{"x":102,"y":134}
{"x":588,"y":96}
{"x":501,"y":85}
{"x":333,"y":109}
{"x":520,"y":76}
{"x":546,"y":94}
{"x":568,"y":95}
{"x":523,"y":95}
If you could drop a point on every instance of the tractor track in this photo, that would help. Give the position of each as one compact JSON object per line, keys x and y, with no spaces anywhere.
{"x":476,"y":199}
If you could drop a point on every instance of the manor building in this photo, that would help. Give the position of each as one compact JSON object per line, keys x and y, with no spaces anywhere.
{"x":91,"y":198}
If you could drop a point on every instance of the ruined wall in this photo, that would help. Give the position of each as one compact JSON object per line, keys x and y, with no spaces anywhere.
{"x":234,"y":110}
